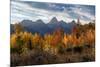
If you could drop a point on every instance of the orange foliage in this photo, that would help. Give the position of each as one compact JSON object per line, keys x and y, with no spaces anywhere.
{"x":57,"y":37}
{"x":50,"y":42}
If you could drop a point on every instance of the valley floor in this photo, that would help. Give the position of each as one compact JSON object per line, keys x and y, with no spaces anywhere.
{"x":33,"y":57}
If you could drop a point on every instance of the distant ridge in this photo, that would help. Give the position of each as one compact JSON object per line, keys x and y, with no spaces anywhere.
{"x":42,"y":28}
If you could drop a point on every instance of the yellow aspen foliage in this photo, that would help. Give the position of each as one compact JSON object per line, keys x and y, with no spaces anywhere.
{"x":26,"y":36}
{"x":75,"y":41}
{"x":90,"y":37}
{"x":46,"y":43}
{"x":36,"y":40}
{"x":48,"y":38}
{"x":13,"y":41}
{"x":70,"y":39}
{"x":20,"y":34}
{"x":93,"y":32}
{"x":81,"y":40}
{"x":65,"y":40}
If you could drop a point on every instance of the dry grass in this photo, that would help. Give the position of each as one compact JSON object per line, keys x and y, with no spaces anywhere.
{"x":35,"y":57}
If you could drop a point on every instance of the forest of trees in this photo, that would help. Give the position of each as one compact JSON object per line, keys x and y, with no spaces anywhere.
{"x":59,"y":44}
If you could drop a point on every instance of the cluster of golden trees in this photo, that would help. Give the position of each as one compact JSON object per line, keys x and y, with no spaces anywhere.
{"x":58,"y":40}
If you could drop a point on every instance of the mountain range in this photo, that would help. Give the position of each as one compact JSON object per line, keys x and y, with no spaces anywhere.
{"x":42,"y":28}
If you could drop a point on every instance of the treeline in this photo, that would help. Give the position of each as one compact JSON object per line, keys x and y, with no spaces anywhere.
{"x":57,"y":42}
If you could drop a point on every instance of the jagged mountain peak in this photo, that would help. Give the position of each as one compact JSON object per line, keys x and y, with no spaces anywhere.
{"x":53,"y":20}
{"x":26,"y":21}
{"x":39,"y":21}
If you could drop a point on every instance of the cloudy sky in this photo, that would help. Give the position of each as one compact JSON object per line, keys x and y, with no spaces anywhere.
{"x":29,"y":10}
